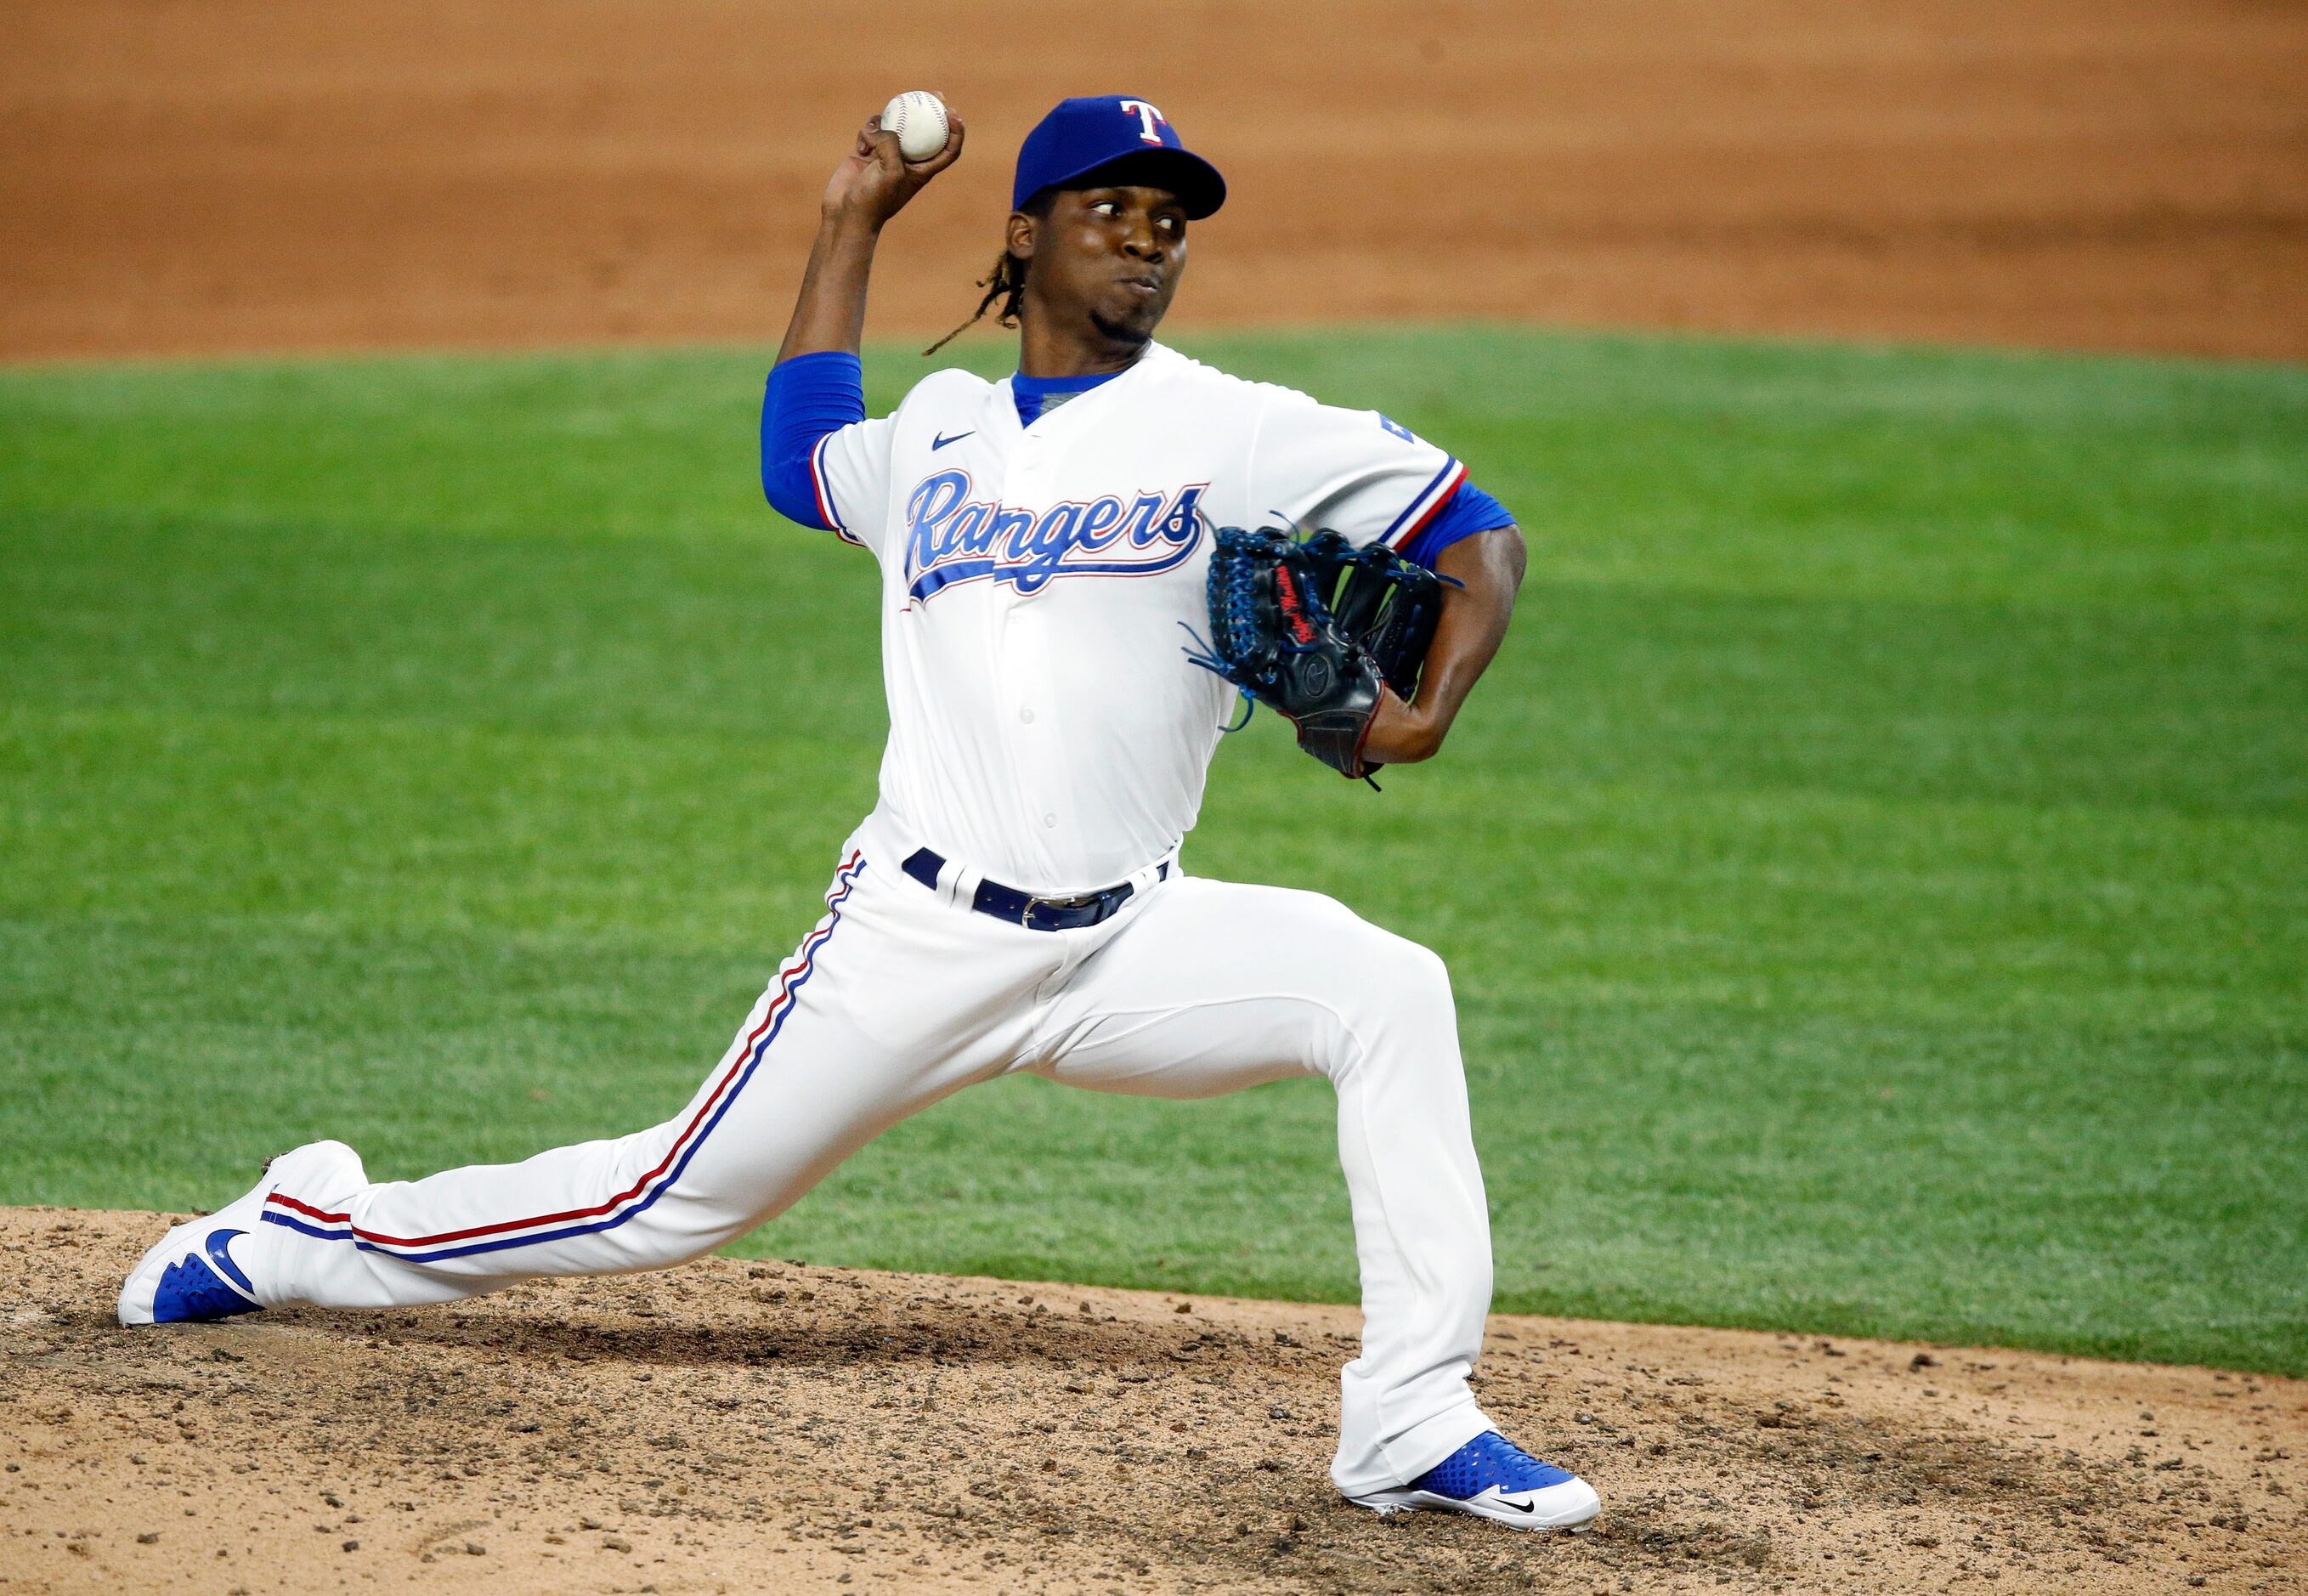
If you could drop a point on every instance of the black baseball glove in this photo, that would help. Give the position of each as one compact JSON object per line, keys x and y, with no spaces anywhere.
{"x":1310,"y":627}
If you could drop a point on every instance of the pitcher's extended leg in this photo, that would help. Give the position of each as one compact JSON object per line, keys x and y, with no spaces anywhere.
{"x":1212,"y":986}
{"x":812,"y":1077}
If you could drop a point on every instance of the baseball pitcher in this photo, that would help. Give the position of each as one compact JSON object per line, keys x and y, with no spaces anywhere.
{"x":1082,"y":566}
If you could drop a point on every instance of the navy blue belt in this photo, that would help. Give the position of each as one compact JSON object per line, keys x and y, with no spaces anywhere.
{"x":1024,"y":909}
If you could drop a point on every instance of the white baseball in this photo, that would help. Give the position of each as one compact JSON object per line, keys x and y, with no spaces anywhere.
{"x":917,"y":118}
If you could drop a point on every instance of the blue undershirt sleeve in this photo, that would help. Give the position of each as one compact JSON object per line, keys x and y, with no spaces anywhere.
{"x":807,"y":398}
{"x":1468,"y":511}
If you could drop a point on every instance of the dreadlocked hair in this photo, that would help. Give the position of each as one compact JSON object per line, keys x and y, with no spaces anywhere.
{"x":1007,"y":284}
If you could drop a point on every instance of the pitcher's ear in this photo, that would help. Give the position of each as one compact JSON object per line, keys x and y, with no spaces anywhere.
{"x":1019,"y":236}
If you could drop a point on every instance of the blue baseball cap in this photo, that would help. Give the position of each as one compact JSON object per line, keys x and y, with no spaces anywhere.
{"x":1120,"y":131}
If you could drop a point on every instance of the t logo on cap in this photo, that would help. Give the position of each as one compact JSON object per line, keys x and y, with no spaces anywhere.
{"x":1147,"y":118}
{"x":1113,"y":140}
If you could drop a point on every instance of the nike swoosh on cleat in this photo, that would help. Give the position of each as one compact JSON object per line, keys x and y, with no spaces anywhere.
{"x":937,"y":444}
{"x":218,"y":1244}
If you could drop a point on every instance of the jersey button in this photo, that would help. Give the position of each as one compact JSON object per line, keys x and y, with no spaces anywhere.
{"x":1050,"y":821}
{"x":1027,"y":714}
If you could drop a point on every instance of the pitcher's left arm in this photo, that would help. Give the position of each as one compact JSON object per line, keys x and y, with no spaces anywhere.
{"x":1488,"y":567}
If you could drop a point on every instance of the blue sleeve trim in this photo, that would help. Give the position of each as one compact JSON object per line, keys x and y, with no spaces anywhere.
{"x":807,"y":398}
{"x":1468,"y":511}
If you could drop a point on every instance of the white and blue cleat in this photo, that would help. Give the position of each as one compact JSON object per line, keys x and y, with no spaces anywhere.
{"x":214,"y":1267}
{"x":1493,"y":1478}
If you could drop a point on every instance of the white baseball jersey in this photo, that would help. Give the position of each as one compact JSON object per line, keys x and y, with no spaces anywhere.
{"x":1045,"y":725}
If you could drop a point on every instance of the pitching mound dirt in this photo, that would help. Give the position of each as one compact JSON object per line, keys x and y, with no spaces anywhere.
{"x":736,"y":1426}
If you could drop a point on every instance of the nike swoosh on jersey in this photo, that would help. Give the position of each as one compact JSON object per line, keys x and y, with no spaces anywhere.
{"x":939,"y":443}
{"x":218,"y":1244}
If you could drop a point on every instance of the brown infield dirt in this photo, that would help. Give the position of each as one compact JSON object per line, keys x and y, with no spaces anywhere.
{"x":185,"y":176}
{"x":732,"y":1426}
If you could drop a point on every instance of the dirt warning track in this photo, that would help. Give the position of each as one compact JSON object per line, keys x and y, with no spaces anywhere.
{"x":181,"y":176}
{"x":744,"y":1426}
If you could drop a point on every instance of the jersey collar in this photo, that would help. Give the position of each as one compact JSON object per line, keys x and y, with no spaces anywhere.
{"x":1089,"y":401}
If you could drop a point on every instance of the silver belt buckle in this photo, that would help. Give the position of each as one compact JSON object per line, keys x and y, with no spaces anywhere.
{"x":1082,"y":900}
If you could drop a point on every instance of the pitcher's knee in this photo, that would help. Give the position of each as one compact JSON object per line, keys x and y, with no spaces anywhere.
{"x":1425,"y":974}
{"x":1400,"y":978}
{"x":1396,"y":1011}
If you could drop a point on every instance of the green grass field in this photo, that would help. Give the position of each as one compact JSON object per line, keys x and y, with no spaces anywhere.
{"x":1875,"y":874}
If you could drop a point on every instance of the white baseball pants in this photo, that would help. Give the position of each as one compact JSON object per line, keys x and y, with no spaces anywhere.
{"x":900,"y":996}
